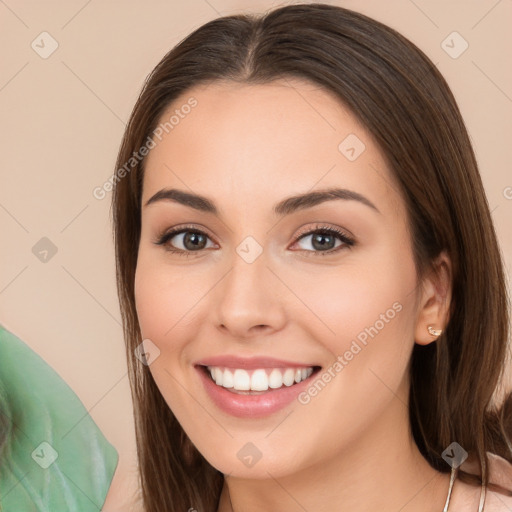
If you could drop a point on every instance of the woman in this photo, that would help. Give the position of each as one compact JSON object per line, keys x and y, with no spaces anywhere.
{"x":312,"y":291}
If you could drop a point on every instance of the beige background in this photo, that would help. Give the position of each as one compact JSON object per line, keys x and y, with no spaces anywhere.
{"x":61,"y":123}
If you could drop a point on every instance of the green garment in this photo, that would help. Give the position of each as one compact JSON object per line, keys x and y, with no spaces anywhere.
{"x":53,"y":457}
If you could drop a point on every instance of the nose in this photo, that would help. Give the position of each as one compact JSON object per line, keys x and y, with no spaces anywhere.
{"x":248,"y":301}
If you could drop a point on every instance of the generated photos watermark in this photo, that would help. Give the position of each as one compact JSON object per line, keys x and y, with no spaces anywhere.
{"x":174,"y":120}
{"x":355,"y":348}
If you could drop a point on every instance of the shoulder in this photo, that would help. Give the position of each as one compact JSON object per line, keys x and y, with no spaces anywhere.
{"x":497,"y":502}
{"x":466,"y":497}
{"x":44,"y":407}
{"x":500,"y":474}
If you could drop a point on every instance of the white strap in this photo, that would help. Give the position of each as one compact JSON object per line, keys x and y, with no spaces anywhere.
{"x":483,"y":492}
{"x":452,"y":480}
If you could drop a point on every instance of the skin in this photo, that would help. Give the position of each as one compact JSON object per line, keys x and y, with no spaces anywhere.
{"x":247,"y":148}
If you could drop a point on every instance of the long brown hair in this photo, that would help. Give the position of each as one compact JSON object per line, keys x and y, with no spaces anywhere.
{"x":402,"y":99}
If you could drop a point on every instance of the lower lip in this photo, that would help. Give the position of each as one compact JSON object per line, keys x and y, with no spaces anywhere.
{"x":252,"y":406}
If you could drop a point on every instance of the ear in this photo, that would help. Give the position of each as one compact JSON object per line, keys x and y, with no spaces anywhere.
{"x":434,"y":300}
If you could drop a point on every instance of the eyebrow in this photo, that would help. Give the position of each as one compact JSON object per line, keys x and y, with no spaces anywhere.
{"x":284,"y":207}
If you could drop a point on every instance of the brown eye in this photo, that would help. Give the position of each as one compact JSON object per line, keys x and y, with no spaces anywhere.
{"x":323,"y":240}
{"x":182,"y":240}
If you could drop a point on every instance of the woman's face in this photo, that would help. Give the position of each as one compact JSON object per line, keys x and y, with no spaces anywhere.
{"x":270,"y":280}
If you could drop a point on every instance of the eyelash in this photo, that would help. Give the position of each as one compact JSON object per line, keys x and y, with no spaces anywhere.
{"x":348,"y":242}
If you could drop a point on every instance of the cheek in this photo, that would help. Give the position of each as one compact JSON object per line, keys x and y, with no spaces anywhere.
{"x":170,"y":304}
{"x":150,"y":302}
{"x":371,"y":315}
{"x":164,"y":304}
{"x":371,"y":298}
{"x":163,"y":296}
{"x":367,"y":315}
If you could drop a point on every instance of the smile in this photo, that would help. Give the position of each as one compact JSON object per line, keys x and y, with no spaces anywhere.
{"x":253,"y":388}
{"x":260,"y":379}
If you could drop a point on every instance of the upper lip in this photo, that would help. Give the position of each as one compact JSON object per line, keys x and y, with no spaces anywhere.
{"x":255,"y":362}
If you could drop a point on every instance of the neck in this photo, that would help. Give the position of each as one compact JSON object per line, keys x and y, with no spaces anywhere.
{"x":382,"y":470}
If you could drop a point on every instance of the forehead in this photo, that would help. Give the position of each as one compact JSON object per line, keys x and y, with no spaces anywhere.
{"x":264,"y":140}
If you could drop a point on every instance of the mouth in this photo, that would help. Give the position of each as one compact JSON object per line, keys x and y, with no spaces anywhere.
{"x":253,"y":387}
{"x":257,"y":381}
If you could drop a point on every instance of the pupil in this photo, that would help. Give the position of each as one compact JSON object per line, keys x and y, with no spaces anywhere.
{"x":193,"y":239}
{"x":317,"y":244}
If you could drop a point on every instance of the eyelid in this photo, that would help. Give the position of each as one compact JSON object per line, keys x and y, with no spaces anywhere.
{"x":163,"y":236}
{"x":322,"y":226}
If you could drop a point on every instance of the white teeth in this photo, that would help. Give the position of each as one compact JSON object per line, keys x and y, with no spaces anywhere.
{"x":289,"y":377}
{"x":241,"y":380}
{"x":227,"y":379}
{"x":275,"y":379}
{"x":218,"y":374}
{"x":258,"y":380}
